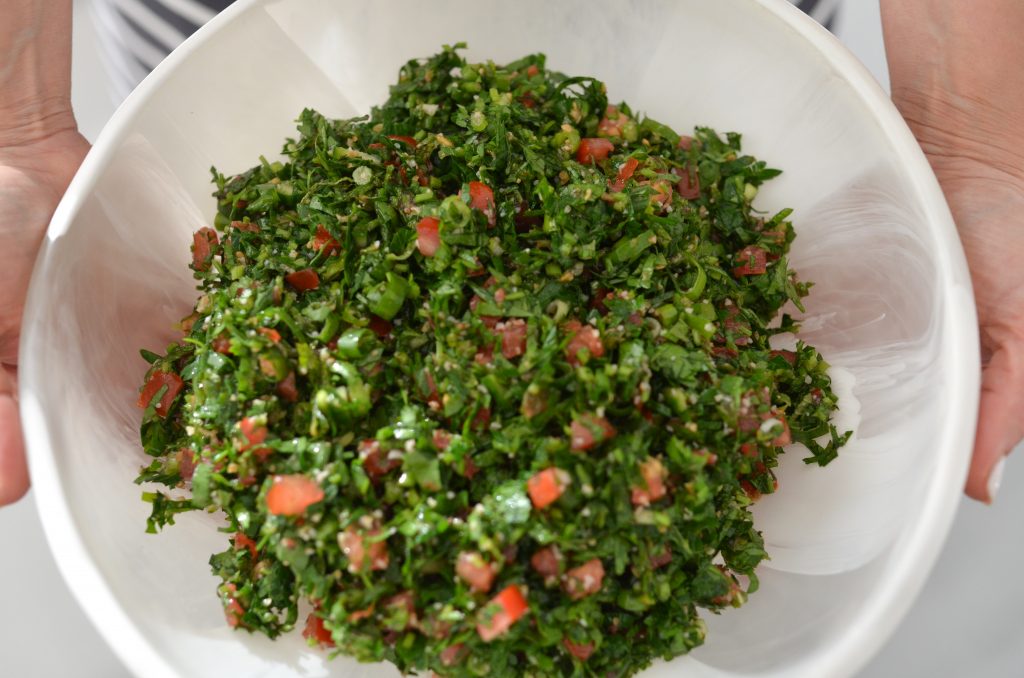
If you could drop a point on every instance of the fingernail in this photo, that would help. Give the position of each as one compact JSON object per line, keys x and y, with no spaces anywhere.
{"x":995,"y":479}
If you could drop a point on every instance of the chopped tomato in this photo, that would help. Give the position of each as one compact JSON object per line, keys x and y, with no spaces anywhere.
{"x":501,"y":613}
{"x":363,"y":557}
{"x":405,"y":140}
{"x":752,"y":492}
{"x":203,"y":242}
{"x":428,"y":238}
{"x":246,"y":226}
{"x":375,"y":460}
{"x":583,"y":337}
{"x":442,"y":439}
{"x":233,"y":610}
{"x":157,"y":380}
{"x":186,"y":463}
{"x":382,"y":328}
{"x":788,"y":356}
{"x":513,"y":337}
{"x":594,"y":150}
{"x":784,"y":438}
{"x":482,"y":419}
{"x":661,"y":559}
{"x":532,"y":70}
{"x":254,"y":432}
{"x":243,"y":542}
{"x":689,"y":183}
{"x":685,"y":142}
{"x":270,"y":333}
{"x":475,"y":571}
{"x":303,"y":280}
{"x":316,"y":631}
{"x":481,"y":197}
{"x":589,"y":430}
{"x":581,"y":651}
{"x":431,"y":393}
{"x":625,"y":173}
{"x":545,"y":487}
{"x":751,"y":260}
{"x":547,"y":562}
{"x":469,"y":469}
{"x":286,"y":388}
{"x":654,"y":474}
{"x":364,"y":613}
{"x":221,"y":344}
{"x":453,"y":654}
{"x":323,"y":241}
{"x":291,"y":495}
{"x":661,"y":192}
{"x":584,"y":580}
{"x":612,"y":123}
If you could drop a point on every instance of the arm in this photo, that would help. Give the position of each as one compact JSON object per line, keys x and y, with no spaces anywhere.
{"x":955,"y":72}
{"x":40,"y":149}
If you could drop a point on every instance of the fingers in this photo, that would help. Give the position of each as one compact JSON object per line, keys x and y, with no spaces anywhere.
{"x":13,"y":469}
{"x":1000,"y":422}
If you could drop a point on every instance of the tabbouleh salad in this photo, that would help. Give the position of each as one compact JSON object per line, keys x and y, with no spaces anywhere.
{"x":484,"y":378}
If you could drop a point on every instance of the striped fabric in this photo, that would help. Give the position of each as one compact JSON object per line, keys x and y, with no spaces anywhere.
{"x":136,"y":35}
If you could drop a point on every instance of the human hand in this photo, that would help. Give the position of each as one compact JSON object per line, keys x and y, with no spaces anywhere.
{"x":34,"y":172}
{"x":955,"y":77}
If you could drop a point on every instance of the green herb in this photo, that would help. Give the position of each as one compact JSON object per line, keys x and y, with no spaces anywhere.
{"x":486,"y":377}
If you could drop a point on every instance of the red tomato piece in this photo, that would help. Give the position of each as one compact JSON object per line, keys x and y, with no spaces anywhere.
{"x":593,"y":149}
{"x":689,"y":183}
{"x":513,"y":337}
{"x":291,"y":495}
{"x":589,"y":430}
{"x":532,"y":70}
{"x":784,"y":438}
{"x":661,"y":192}
{"x":584,"y":580}
{"x":157,"y":380}
{"x":475,"y":571}
{"x":382,"y":328}
{"x":317,"y":632}
{"x":482,"y":419}
{"x":362,"y":556}
{"x":221,"y":344}
{"x":246,"y":226}
{"x":661,"y":559}
{"x":624,"y":175}
{"x":323,"y":241}
{"x":504,"y":610}
{"x":545,"y":487}
{"x":270,"y":333}
{"x":685,"y":142}
{"x":375,"y":460}
{"x":442,"y":439}
{"x":581,"y":651}
{"x":243,"y":542}
{"x":788,"y":356}
{"x":453,"y":654}
{"x":481,"y":197}
{"x":286,"y":389}
{"x":233,"y":610}
{"x":404,"y":139}
{"x":547,"y":562}
{"x":254,"y":432}
{"x":428,"y":238}
{"x":405,"y":601}
{"x":751,"y":260}
{"x":303,"y":280}
{"x":654,"y":474}
{"x":203,"y":242}
{"x":186,"y":464}
{"x":583,"y":337}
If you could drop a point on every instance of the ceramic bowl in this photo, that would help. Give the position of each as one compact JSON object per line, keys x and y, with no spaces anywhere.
{"x":892,"y":309}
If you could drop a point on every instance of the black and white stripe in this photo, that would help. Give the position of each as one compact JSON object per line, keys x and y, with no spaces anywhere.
{"x":137,"y":34}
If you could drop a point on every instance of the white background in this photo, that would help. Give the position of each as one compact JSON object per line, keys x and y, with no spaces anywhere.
{"x":967,"y":622}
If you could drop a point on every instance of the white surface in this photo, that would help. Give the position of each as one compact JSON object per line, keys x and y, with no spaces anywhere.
{"x":43,"y":598}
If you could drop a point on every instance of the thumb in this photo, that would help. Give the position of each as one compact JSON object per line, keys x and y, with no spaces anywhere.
{"x":1000,"y":421}
{"x":13,"y":469}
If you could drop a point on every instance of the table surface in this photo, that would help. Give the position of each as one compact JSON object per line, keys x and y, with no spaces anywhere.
{"x":967,"y":621}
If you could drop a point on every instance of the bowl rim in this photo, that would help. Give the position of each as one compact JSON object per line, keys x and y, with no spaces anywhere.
{"x":886,"y":605}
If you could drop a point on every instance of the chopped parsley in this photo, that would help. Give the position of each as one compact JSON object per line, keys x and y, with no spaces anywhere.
{"x":485,"y":378}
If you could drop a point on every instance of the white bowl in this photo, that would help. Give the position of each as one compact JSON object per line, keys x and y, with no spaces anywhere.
{"x":851,"y":544}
